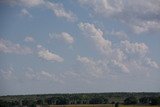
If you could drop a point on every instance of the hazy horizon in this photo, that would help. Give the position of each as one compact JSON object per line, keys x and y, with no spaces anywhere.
{"x":79,"y":46}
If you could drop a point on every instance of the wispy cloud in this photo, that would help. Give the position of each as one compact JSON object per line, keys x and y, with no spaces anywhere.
{"x":93,"y":68}
{"x":140,"y":15}
{"x":25,"y":12}
{"x":151,"y":63}
{"x":7,"y":73}
{"x":32,"y":74}
{"x":118,"y":34}
{"x":29,"y":39}
{"x":47,"y":55}
{"x":57,"y":8}
{"x":96,"y":36}
{"x":59,"y":11}
{"x":7,"y":46}
{"x":26,"y":3}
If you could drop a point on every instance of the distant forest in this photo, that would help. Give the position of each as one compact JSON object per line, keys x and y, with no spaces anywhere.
{"x":80,"y":98}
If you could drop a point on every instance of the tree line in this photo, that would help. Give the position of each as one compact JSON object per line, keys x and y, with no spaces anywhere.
{"x":64,"y":99}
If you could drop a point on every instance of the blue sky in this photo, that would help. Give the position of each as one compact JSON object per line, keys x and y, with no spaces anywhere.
{"x":74,"y":46}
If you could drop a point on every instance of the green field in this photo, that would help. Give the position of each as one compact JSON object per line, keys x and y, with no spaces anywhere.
{"x":102,"y":105}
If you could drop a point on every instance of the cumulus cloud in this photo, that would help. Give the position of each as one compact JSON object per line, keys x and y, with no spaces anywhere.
{"x":64,"y":36}
{"x":59,"y":11}
{"x":96,"y":35}
{"x":125,"y":56}
{"x":67,"y":37}
{"x":135,"y":48}
{"x":7,"y":46}
{"x":47,"y":55}
{"x":94,"y":68}
{"x":140,"y":15}
{"x":144,"y":26}
{"x":25,"y":12}
{"x":29,"y":39}
{"x":57,"y":8}
{"x":120,"y":66}
{"x":106,"y":7}
{"x":102,"y":67}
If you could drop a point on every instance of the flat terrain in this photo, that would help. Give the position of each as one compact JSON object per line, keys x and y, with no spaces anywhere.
{"x":139,"y":106}
{"x":85,"y":105}
{"x":102,"y":105}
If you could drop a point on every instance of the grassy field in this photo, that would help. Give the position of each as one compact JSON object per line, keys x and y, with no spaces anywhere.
{"x":101,"y":105}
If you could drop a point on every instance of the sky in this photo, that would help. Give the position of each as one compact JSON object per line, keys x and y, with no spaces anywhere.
{"x":79,"y":46}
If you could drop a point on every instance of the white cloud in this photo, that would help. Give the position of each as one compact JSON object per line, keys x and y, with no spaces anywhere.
{"x":83,"y":59}
{"x":151,"y":63}
{"x":135,"y":48}
{"x":30,"y":73}
{"x":42,"y":75}
{"x":120,"y":66}
{"x":125,"y":56}
{"x":119,"y":34}
{"x":32,"y":3}
{"x":27,"y":3}
{"x":47,"y":55}
{"x":57,"y":8}
{"x":46,"y":74}
{"x":64,"y":36}
{"x":94,"y":68}
{"x":96,"y":35}
{"x":107,"y":7}
{"x":144,"y":26}
{"x":118,"y":54}
{"x":140,"y":15}
{"x":25,"y":12}
{"x":102,"y":67}
{"x":73,"y":74}
{"x":29,"y":39}
{"x":59,"y":11}
{"x":67,"y":37}
{"x":9,"y":47}
{"x":7,"y":73}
